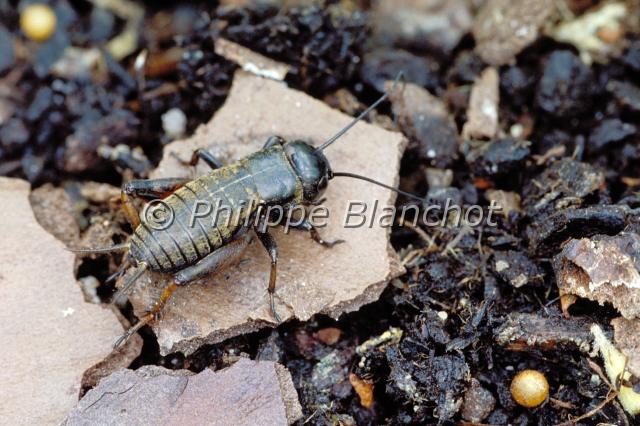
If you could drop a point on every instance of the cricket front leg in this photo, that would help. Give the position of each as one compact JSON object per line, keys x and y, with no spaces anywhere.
{"x":305,"y":225}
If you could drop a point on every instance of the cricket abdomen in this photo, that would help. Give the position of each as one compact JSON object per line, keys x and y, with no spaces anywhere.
{"x":210,"y":210}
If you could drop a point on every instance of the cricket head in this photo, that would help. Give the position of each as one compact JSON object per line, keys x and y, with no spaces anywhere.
{"x":311,"y":167}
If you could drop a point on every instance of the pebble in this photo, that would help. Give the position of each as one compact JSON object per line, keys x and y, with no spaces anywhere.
{"x":627,"y":94}
{"x":7,"y":54}
{"x":174,"y":123}
{"x":609,"y":132}
{"x":482,"y":114}
{"x":631,"y":57}
{"x":41,"y":102}
{"x":425,"y":119}
{"x":516,"y":85}
{"x":565,"y":88}
{"x":13,"y":134}
{"x":478,"y":403}
{"x":496,"y":158}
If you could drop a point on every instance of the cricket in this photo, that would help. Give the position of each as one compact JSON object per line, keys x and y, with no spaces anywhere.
{"x":283,"y":173}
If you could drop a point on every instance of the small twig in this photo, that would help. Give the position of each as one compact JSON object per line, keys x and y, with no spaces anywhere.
{"x":425,"y":237}
{"x":452,"y":244}
{"x":595,"y":367}
{"x":590,"y":413}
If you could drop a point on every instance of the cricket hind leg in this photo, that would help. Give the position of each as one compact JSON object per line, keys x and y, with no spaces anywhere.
{"x":146,"y":189}
{"x":212,"y":263}
{"x":150,"y":314}
{"x":216,"y":261}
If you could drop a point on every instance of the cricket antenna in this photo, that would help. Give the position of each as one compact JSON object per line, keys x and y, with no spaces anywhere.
{"x":375,"y":182}
{"x":364,"y":113}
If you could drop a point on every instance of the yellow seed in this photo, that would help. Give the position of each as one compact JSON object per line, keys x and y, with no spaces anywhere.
{"x":38,"y":22}
{"x":529,"y":388}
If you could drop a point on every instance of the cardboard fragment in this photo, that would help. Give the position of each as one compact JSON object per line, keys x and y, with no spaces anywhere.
{"x":482,"y":115}
{"x":311,"y":279}
{"x":503,"y":28}
{"x":122,"y":357}
{"x":603,"y":268}
{"x":50,"y":335}
{"x":53,"y":210}
{"x":247,"y":393}
{"x":289,"y":394}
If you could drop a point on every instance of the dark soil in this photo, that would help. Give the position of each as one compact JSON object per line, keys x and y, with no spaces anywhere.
{"x":58,"y":124}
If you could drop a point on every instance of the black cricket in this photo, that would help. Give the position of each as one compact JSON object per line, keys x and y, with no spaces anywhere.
{"x":281,"y":173}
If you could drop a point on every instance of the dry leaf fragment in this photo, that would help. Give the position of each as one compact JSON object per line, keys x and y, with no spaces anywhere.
{"x":363,"y":388}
